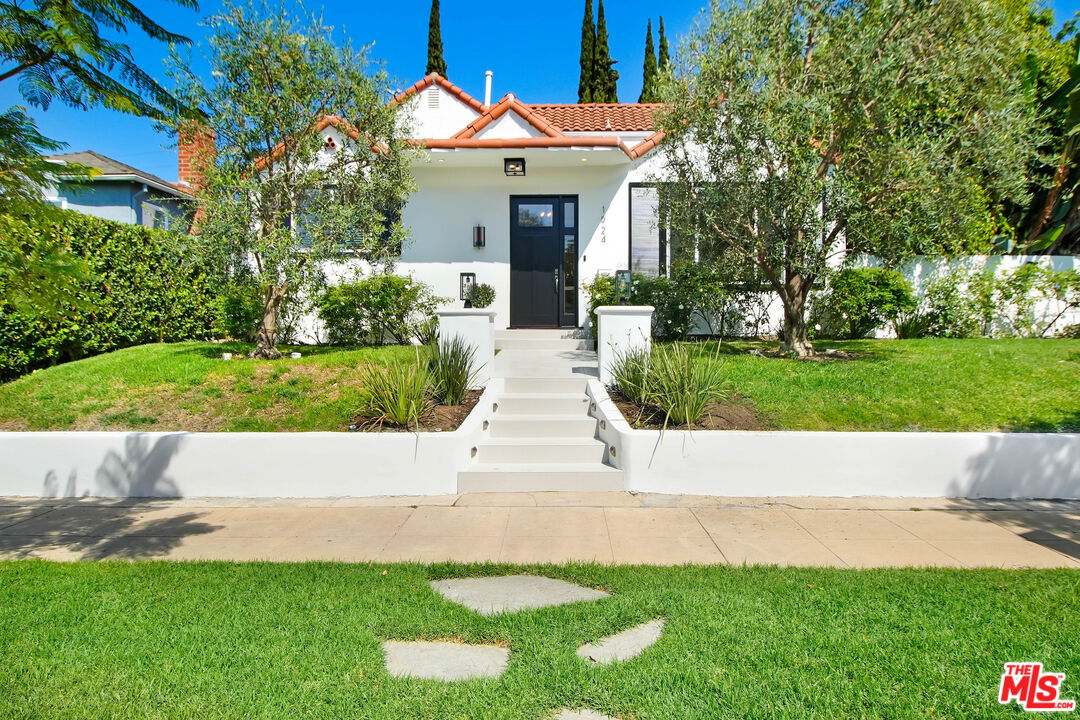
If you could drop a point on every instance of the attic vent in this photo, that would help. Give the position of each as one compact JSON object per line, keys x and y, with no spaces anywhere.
{"x":433,"y":98}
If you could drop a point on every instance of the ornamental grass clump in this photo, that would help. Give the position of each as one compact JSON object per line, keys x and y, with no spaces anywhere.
{"x":674,"y":380}
{"x":453,"y":370}
{"x":682,"y":385}
{"x":397,"y":395}
{"x":630,"y":374}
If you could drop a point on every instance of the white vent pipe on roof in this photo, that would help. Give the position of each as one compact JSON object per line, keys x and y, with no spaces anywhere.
{"x":487,"y":88}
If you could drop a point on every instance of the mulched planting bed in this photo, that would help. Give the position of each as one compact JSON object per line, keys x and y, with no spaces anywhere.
{"x":441,"y":418}
{"x":734,"y":414}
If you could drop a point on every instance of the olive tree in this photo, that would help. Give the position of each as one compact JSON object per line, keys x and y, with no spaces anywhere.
{"x":800,"y":130}
{"x":278,"y":195}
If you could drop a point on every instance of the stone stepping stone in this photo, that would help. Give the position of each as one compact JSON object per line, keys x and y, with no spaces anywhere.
{"x":568,"y":714}
{"x":510,"y":593}
{"x":622,"y":646}
{"x":433,"y":660}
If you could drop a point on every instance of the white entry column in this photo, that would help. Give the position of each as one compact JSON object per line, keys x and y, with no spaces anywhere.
{"x":621,"y":328}
{"x":477,"y":328}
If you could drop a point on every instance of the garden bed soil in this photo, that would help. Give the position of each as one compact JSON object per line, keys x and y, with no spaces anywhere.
{"x":736,"y":413}
{"x":441,"y":418}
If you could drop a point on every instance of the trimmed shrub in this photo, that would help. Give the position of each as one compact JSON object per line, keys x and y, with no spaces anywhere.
{"x":238,"y":310}
{"x":146,"y":286}
{"x":861,"y":300}
{"x":950,"y":312}
{"x":695,"y":294}
{"x":482,"y":295}
{"x":378,"y":309}
{"x":453,"y":370}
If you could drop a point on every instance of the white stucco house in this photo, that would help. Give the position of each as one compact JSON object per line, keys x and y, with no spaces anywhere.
{"x":534,"y":199}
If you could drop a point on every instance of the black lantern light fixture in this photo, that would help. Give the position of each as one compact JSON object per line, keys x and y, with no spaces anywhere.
{"x":479,"y":236}
{"x":514,"y":167}
{"x":468,"y":281}
{"x":623,"y":284}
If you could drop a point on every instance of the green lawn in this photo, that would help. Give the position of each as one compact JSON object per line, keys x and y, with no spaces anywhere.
{"x":930,"y":384}
{"x":187,"y":386}
{"x":205,"y":640}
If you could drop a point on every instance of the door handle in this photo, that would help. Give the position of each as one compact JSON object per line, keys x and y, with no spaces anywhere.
{"x":556,"y":281}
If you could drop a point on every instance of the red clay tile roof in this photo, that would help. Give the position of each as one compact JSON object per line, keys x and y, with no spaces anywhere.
{"x":530,"y":142}
{"x":437,"y":79}
{"x":600,"y":117}
{"x":509,"y":102}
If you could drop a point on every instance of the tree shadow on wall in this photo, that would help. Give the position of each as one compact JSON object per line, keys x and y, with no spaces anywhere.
{"x":1022,"y":465}
{"x":124,"y":522}
{"x":140,"y":471}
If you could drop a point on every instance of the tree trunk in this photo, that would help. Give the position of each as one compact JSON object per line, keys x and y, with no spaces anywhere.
{"x":793,"y":337}
{"x":266,"y":338}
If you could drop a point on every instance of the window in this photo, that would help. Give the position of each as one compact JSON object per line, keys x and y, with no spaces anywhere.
{"x":648,"y":237}
{"x":534,"y":216}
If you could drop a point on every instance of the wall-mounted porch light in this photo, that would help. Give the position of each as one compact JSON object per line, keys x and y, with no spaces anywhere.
{"x":514,"y":167}
{"x":479,"y":236}
{"x":467,"y":281}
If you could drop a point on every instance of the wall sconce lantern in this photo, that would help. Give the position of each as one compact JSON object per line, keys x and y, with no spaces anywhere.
{"x":468,"y":280}
{"x":623,"y":283}
{"x":479,"y":236}
{"x":514,"y":167}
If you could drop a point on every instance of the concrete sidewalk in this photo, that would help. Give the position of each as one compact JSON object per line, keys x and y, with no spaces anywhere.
{"x":554,"y":527}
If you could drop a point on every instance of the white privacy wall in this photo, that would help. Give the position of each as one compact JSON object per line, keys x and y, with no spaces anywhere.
{"x":922,"y":271}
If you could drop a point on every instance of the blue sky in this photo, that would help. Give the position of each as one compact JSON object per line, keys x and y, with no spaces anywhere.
{"x":532,"y":50}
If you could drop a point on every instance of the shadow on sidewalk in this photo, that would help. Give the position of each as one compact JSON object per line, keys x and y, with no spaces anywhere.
{"x":1049,"y":524}
{"x":93,"y":529}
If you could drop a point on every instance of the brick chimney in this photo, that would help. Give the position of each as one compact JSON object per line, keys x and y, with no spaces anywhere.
{"x":195,"y":151}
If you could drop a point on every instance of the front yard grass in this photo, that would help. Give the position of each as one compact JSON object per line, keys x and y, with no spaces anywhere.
{"x":928,"y":384}
{"x":187,"y":386}
{"x":218,"y":640}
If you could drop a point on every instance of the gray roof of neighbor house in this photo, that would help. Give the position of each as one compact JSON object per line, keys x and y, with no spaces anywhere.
{"x":117,"y":171}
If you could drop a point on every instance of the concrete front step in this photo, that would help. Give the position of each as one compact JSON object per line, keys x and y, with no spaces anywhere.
{"x":516,"y":343}
{"x":540,"y":450}
{"x":543,"y":403}
{"x":543,"y":426}
{"x":540,"y":477}
{"x":545,"y":385}
{"x":543,"y":333}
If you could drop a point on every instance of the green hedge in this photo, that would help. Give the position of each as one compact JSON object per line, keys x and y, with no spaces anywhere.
{"x":145,"y":287}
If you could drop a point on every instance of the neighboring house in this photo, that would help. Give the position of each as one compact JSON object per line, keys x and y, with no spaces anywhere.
{"x":120,"y":192}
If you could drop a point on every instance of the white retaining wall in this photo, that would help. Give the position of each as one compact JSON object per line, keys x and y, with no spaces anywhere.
{"x":181,"y":464}
{"x":841,"y":464}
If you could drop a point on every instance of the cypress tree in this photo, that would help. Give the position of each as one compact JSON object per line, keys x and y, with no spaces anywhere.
{"x":648,"y":78}
{"x":664,"y":59}
{"x":606,"y":76}
{"x":588,"y":56}
{"x":435,"y":61}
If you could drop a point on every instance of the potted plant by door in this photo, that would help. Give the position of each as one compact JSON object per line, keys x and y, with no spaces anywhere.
{"x":481,"y":295}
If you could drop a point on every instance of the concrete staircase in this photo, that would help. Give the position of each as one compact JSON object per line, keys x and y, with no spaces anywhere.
{"x":544,"y":339}
{"x":542,"y":437}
